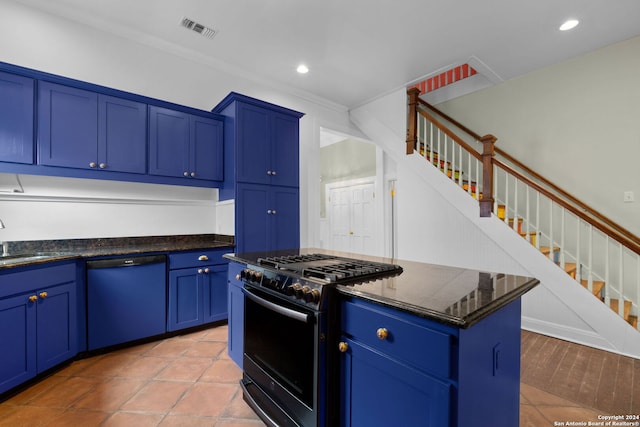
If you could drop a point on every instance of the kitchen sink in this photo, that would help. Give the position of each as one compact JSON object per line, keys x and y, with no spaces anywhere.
{"x":12,"y":257}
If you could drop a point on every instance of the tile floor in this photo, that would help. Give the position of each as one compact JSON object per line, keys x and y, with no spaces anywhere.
{"x":186,"y":381}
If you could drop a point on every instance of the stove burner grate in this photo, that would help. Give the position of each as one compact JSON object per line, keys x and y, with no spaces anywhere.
{"x":332,"y":269}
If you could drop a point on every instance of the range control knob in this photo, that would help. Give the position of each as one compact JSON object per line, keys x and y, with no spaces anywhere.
{"x":302,"y":291}
{"x":294,"y":289}
{"x":312,"y":296}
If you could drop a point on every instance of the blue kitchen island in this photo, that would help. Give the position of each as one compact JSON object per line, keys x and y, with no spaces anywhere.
{"x":433,"y":346}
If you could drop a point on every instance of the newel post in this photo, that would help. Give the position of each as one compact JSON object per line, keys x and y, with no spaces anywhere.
{"x":412,"y":119}
{"x":486,"y":203}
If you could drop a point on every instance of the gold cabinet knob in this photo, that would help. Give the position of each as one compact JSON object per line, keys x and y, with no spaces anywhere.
{"x":382,"y":333}
{"x":238,"y":277}
{"x":206,"y":270}
{"x":33,"y":298}
{"x":43,"y":294}
{"x":343,"y":347}
{"x":92,"y":164}
{"x":203,"y":258}
{"x":200,"y":271}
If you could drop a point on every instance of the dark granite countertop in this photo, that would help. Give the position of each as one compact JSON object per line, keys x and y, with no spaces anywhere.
{"x":25,"y":253}
{"x":450,"y":295}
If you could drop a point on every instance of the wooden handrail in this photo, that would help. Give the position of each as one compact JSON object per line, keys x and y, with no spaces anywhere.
{"x":595,"y":215}
{"x":614,"y":234}
{"x":450,"y":134}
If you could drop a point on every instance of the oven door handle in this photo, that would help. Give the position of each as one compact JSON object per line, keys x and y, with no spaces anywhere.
{"x":293,"y":314}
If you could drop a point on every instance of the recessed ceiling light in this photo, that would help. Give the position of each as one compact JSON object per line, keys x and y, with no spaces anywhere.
{"x":569,"y":24}
{"x":302,"y":69}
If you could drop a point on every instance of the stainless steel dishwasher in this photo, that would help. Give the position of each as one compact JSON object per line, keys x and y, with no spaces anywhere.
{"x":126,"y":299}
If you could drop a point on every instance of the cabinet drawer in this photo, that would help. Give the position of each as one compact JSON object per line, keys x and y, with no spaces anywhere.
{"x":405,"y":340}
{"x":34,"y":278}
{"x":197,"y":258}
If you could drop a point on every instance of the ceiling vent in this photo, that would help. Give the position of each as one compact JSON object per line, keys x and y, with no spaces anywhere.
{"x":198,"y":28}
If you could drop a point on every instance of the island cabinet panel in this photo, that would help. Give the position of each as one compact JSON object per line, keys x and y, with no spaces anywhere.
{"x":423,"y":372}
{"x":85,"y":130}
{"x":197,"y":289}
{"x":38,"y":309}
{"x":184,"y":145}
{"x":16,"y":118}
{"x":378,"y":390}
{"x":236,"y":314}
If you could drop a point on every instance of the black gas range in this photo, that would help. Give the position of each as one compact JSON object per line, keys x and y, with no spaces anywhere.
{"x":302,"y":278}
{"x":289,"y":373}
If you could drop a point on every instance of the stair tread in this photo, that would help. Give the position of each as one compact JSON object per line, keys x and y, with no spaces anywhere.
{"x":546,"y":249}
{"x":597,"y":286}
{"x":613,"y":303}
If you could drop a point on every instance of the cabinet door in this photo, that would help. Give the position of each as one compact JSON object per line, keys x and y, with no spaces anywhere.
{"x":235,"y":345}
{"x":16,"y":118}
{"x":206,"y":149}
{"x":251,"y":221}
{"x":67,"y":126}
{"x":56,"y":325}
{"x":267,"y":218}
{"x":185,"y":299}
{"x":215,"y":293}
{"x":168,"y":142}
{"x":284,"y":221}
{"x":403,"y":396}
{"x":122,"y":135}
{"x":285,"y":150}
{"x":253,"y":151}
{"x":18,"y":338}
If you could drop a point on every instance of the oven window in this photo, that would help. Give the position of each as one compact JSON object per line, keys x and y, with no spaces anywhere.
{"x":281,"y":346}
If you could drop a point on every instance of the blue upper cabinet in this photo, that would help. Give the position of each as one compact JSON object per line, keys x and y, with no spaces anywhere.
{"x":122,"y":135}
{"x":261,"y":143}
{"x":82,"y":129}
{"x":16,"y":118}
{"x":205,"y":149}
{"x":267,"y":146}
{"x":67,"y":126}
{"x":184,"y":145}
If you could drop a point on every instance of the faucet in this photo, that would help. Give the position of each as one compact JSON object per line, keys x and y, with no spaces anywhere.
{"x":3,"y":251}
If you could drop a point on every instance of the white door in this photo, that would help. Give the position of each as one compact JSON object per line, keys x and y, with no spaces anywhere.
{"x":352,"y":218}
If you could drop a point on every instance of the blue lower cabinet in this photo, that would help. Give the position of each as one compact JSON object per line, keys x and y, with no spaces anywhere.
{"x":425,"y":373}
{"x":198,"y":293}
{"x":404,"y":396}
{"x":38,"y":313}
{"x":236,"y":314}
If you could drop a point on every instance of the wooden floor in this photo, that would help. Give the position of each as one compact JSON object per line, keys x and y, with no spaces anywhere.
{"x":606,"y":382}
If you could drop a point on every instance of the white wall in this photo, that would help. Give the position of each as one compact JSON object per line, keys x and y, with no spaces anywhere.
{"x":575,"y":122}
{"x":45,"y":42}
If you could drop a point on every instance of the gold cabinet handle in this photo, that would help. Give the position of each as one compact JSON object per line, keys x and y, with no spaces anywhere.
{"x":43,"y":295}
{"x":203,"y":258}
{"x":382,"y":333}
{"x":343,"y":346}
{"x":33,"y":298}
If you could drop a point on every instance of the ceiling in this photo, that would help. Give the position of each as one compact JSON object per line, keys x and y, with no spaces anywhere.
{"x":358,"y":50}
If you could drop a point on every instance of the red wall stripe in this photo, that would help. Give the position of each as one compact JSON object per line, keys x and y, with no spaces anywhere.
{"x":446,"y":78}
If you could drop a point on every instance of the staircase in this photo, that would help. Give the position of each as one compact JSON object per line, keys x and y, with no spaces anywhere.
{"x":598,"y":254}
